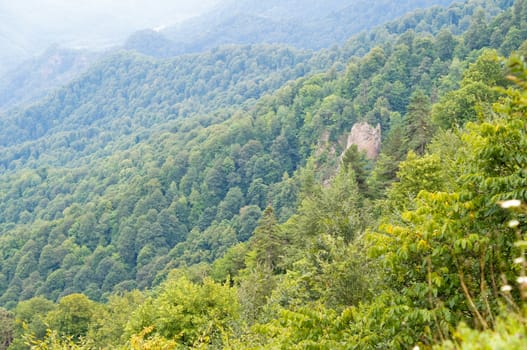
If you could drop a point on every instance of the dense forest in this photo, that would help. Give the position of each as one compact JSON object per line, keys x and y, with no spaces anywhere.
{"x":211,"y":200}
{"x":34,"y":78}
{"x":304,"y":25}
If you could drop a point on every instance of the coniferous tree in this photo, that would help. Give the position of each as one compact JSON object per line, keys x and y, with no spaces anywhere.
{"x":477,"y":35}
{"x":417,"y":122}
{"x":357,"y":161}
{"x":268,"y":241}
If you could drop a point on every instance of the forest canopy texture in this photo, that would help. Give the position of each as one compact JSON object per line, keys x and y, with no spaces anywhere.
{"x":210,"y":200}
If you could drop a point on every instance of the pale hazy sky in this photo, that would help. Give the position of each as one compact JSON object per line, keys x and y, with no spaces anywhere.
{"x":86,"y":22}
{"x":42,"y":10}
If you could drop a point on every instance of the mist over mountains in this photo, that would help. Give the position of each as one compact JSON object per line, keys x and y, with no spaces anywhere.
{"x":306,"y":24}
{"x":46,"y":44}
{"x":28,"y":27}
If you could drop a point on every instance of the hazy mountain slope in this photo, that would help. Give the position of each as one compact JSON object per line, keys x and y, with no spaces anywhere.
{"x":28,"y":27}
{"x":310,"y":24}
{"x":139,"y":92}
{"x":14,"y":44}
{"x":36,"y":77}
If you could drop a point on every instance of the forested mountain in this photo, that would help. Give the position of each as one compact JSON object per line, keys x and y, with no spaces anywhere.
{"x":311,"y":24}
{"x":29,"y":27}
{"x":38,"y":76}
{"x":14,"y":44}
{"x":47,"y":43}
{"x":303,"y":24}
{"x":132,"y":92}
{"x":211,"y":200}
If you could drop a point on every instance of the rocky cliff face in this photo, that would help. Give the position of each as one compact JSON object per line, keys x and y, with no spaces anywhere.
{"x":367,"y":138}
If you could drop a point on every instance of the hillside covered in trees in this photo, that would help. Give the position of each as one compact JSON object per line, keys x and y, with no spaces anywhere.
{"x":301,"y":24}
{"x":304,"y":24}
{"x":210,"y":200}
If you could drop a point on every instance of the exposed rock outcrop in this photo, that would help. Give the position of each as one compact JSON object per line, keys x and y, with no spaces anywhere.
{"x":367,"y":138}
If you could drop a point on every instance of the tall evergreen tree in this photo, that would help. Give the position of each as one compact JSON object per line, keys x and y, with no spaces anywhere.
{"x":357,"y":161}
{"x":417,"y":122}
{"x":268,"y":240}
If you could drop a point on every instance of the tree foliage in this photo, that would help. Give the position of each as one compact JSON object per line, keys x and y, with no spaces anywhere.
{"x":233,"y":214}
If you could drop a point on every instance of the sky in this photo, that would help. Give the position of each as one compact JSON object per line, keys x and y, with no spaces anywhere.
{"x":91,"y":22}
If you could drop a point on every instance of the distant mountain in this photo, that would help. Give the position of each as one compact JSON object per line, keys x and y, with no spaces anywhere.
{"x":303,"y":24}
{"x":151,"y":42}
{"x":307,"y":24}
{"x":35,"y":77}
{"x":14,"y":45}
{"x":29,"y":27}
{"x":127,"y":84}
